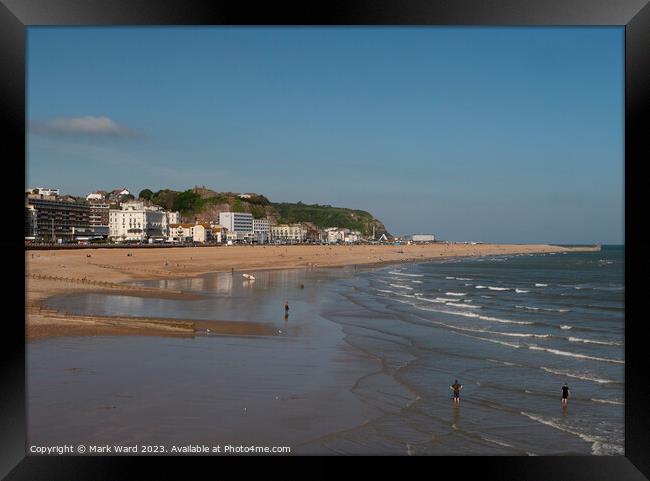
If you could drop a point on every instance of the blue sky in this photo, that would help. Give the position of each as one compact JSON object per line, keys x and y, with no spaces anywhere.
{"x":490,"y":134}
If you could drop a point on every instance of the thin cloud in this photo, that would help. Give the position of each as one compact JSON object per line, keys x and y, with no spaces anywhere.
{"x":83,"y":126}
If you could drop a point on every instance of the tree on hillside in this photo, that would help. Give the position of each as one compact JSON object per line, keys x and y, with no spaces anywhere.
{"x":145,"y":194}
{"x":188,"y":201}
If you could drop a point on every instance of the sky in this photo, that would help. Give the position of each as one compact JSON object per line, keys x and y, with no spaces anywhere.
{"x":473,"y":134}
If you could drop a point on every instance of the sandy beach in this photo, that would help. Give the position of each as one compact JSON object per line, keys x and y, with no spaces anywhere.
{"x":60,"y":272}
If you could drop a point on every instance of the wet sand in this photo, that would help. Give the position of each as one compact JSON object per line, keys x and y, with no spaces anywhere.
{"x":282,"y":389}
{"x":56,"y":272}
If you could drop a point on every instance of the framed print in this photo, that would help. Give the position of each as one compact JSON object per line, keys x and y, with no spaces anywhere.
{"x":351,"y":229}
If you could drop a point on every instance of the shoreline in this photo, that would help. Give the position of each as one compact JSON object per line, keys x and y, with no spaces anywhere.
{"x":45,"y":278}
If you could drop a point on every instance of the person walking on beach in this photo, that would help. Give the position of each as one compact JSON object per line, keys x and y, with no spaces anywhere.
{"x":565,"y":394}
{"x":456,"y":387}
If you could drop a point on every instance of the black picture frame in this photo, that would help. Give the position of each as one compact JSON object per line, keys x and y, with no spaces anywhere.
{"x":634,"y":15}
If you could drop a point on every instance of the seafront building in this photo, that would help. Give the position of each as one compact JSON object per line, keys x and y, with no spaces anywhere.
{"x":201,"y":233}
{"x":239,"y":222}
{"x":288,"y":233}
{"x":135,"y":222}
{"x":262,"y":230}
{"x":52,"y":219}
{"x":98,"y":217}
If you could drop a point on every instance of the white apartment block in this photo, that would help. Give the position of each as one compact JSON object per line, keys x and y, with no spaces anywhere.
{"x":135,"y":222}
{"x":261,"y":225}
{"x":238,"y":222}
{"x":286,"y":232}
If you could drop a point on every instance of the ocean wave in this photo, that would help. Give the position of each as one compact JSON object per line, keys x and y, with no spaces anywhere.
{"x":565,"y":327}
{"x":539,"y":284}
{"x":401,"y":286}
{"x":506,"y":363}
{"x":405,"y":274}
{"x":417,"y":282}
{"x":598,"y":445}
{"x":455,"y":293}
{"x":583,"y":377}
{"x":594,"y":341}
{"x":608,"y":401}
{"x":466,"y":314}
{"x":481,"y":287}
{"x":557,"y":352}
{"x":445,"y":299}
{"x":495,"y":341}
{"x":462,"y":305}
{"x":448,"y":277}
{"x":498,"y":443}
{"x":464,"y":278}
{"x":520,"y":291}
{"x":499,"y":288}
{"x":548,"y":309}
{"x":431,"y":300}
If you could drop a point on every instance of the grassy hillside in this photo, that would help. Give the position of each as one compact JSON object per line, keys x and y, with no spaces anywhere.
{"x":202,"y":204}
{"x":327,"y":216}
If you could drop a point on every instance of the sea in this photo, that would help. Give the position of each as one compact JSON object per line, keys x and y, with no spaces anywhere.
{"x":364,"y":362}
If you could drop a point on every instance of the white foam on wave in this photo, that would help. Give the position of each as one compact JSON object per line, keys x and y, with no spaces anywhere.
{"x":565,"y":327}
{"x":530,"y":308}
{"x":539,"y":284}
{"x":598,"y":445}
{"x":492,"y":288}
{"x":557,"y":352}
{"x":497,"y":442}
{"x":464,"y":278}
{"x":506,"y":363}
{"x":405,"y":274}
{"x":417,"y":282}
{"x":464,"y":313}
{"x":448,"y":277}
{"x":520,"y":291}
{"x":594,"y":341}
{"x":431,"y":300}
{"x":445,"y":299}
{"x":401,"y":286}
{"x":386,"y":291}
{"x":607,"y":401}
{"x":481,"y":287}
{"x":495,"y":341}
{"x":462,"y":305}
{"x":499,"y":333}
{"x":583,"y":377}
{"x":455,"y":293}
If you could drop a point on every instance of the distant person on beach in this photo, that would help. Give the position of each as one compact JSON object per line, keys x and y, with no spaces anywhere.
{"x":565,"y":394}
{"x":456,"y":387}
{"x":286,"y":307}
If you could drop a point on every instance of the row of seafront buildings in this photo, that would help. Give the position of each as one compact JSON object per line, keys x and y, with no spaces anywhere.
{"x":117,"y":217}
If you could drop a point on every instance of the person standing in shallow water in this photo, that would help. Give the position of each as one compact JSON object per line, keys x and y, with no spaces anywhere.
{"x":456,"y":387}
{"x":565,"y":394}
{"x":286,"y":309}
